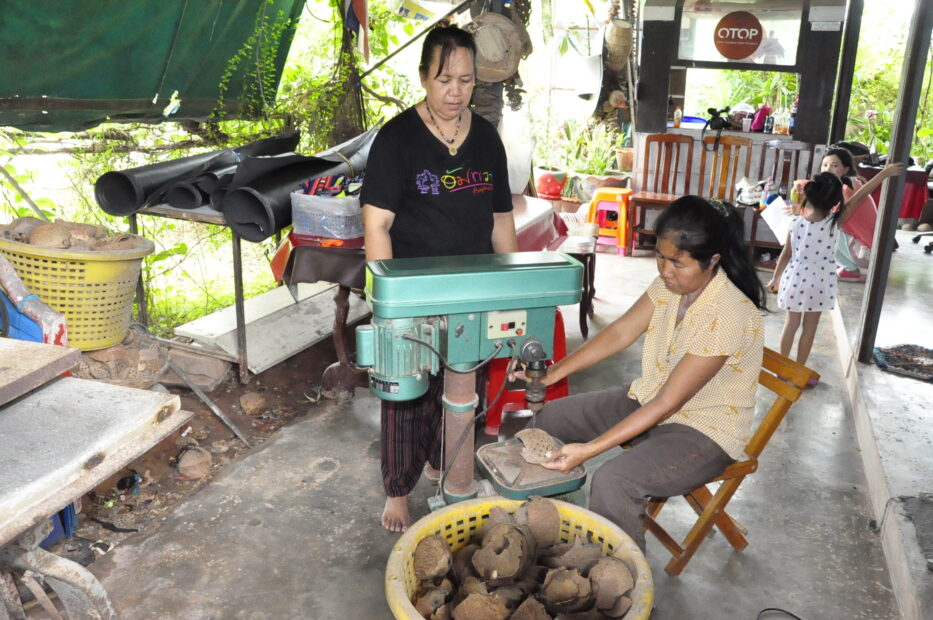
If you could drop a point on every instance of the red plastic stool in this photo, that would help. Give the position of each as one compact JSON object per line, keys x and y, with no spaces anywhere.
{"x":495,"y":375}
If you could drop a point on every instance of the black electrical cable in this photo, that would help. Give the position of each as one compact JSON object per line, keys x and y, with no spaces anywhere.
{"x":777,"y":609}
{"x":488,"y":359}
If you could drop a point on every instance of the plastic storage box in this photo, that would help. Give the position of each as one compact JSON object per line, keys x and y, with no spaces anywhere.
{"x":326,"y":216}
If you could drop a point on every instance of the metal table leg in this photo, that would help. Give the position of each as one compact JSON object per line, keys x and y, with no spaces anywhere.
{"x":240,"y":311}
{"x":140,"y":287}
{"x":77,"y":588}
{"x":340,"y":378}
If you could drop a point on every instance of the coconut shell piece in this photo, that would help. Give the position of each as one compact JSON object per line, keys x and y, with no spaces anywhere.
{"x":120,"y":242}
{"x":463,"y":562}
{"x":432,"y":558}
{"x":48,"y":235}
{"x":507,"y":551}
{"x":581,"y":556}
{"x":530,"y":609}
{"x":566,"y":590}
{"x":430,"y":600}
{"x":623,"y":604}
{"x":510,"y":594}
{"x":193,"y":462}
{"x":611,"y":580}
{"x":481,"y":607}
{"x":542,"y":518}
{"x":90,"y":232}
{"x":442,"y":612}
{"x":497,"y":515}
{"x":536,"y":445}
{"x":21,"y":227}
{"x":470,"y":585}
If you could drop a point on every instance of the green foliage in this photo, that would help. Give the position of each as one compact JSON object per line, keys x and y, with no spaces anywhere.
{"x":586,"y":147}
{"x":759,"y":87}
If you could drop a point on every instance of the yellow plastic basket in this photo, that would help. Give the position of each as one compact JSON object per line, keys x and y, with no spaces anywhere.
{"x":94,"y":290}
{"x":458,"y":523}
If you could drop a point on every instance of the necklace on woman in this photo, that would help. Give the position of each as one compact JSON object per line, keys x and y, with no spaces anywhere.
{"x":450,"y":141}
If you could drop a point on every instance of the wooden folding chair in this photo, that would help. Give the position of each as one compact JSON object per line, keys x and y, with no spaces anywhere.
{"x":711,"y":507}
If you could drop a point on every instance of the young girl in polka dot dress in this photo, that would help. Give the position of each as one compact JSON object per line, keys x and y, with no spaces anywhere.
{"x":806,"y":269}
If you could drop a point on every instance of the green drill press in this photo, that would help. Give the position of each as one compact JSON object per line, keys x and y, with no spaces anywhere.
{"x":456,"y":314}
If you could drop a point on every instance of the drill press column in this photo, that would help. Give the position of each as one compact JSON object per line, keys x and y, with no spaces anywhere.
{"x":460,"y":402}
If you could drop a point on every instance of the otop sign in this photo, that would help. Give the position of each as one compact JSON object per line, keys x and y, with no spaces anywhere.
{"x":738,"y":35}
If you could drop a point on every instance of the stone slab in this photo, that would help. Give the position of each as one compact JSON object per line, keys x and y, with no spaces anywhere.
{"x":24,"y":365}
{"x":57,"y":435}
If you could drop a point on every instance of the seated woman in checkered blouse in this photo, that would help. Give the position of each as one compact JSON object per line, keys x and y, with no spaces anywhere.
{"x":689,"y":414}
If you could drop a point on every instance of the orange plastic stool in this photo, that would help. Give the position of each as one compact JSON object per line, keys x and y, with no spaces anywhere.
{"x":609,"y":210}
{"x":495,"y":375}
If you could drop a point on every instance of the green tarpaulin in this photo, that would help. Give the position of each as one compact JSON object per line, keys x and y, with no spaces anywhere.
{"x":72,"y":64}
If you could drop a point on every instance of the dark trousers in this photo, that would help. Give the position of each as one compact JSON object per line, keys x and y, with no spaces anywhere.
{"x":411,"y":437}
{"x":666,"y":460}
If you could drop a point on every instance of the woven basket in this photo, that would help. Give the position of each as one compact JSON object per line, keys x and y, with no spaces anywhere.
{"x":458,"y":523}
{"x":94,"y":290}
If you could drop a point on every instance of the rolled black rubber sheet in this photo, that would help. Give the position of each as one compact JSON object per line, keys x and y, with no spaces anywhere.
{"x":257,"y":203}
{"x":127,"y":191}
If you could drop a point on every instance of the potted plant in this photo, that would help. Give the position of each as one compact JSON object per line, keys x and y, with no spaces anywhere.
{"x":625,"y":153}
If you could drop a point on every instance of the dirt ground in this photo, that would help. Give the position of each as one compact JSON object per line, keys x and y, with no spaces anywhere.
{"x":136,"y":498}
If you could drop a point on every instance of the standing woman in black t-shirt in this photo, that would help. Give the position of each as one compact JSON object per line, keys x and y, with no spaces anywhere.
{"x":436,"y":185}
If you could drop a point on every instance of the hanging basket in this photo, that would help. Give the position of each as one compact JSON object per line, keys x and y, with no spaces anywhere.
{"x":618,"y":44}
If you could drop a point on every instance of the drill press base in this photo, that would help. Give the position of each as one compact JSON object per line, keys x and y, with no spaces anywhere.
{"x":515,"y":478}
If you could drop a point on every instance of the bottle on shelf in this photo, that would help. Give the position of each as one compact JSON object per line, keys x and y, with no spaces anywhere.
{"x":769,"y":124}
{"x":678,"y":116}
{"x":793,"y":115}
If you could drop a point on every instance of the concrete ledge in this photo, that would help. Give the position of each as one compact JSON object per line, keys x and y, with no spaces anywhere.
{"x":910,"y":578}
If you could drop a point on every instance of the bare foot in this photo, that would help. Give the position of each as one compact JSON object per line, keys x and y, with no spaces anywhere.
{"x":434,"y":475}
{"x":395,"y":517}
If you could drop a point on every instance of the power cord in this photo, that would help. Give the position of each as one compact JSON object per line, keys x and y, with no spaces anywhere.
{"x":873,"y":524}
{"x":779,"y":610}
{"x":489,"y":358}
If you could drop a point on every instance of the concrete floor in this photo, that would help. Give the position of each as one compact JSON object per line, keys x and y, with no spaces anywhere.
{"x":291,"y":529}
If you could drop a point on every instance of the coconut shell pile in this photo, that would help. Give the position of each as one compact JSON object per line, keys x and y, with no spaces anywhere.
{"x":517,"y":568}
{"x":66,"y":235}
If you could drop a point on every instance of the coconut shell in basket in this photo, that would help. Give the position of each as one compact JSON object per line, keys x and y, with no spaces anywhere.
{"x":507,"y":552}
{"x":432,"y":558}
{"x":566,"y":590}
{"x":21,"y":227}
{"x":429,"y":601}
{"x":611,"y":580}
{"x":481,"y":607}
{"x":542,"y":518}
{"x":530,"y":609}
{"x":49,"y":235}
{"x":581,"y":556}
{"x":463,"y":563}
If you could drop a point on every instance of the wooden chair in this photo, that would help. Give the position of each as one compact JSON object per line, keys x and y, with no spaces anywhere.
{"x":665,"y":177}
{"x":711,"y":507}
{"x":723,"y":164}
{"x":783,"y":162}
